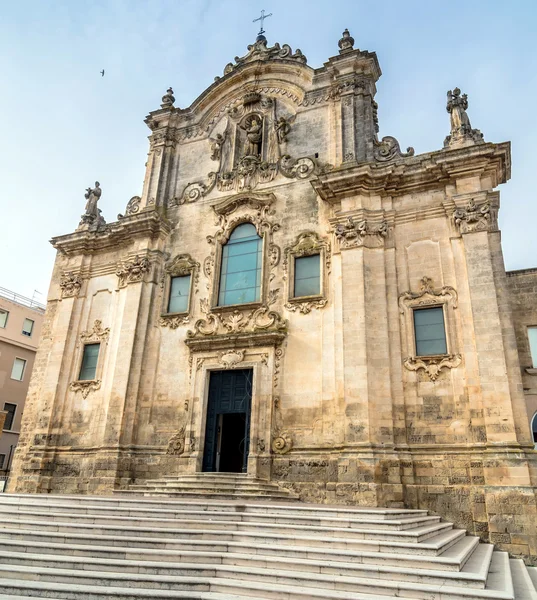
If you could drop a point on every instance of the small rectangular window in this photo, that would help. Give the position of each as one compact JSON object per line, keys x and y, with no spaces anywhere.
{"x":27,"y":327}
{"x":430,"y":331}
{"x":307,"y":276}
{"x":2,"y":460}
{"x":10,"y":409}
{"x":532,"y":337}
{"x":88,"y":369}
{"x":179,"y":294}
{"x":3,"y":318}
{"x":17,"y":372}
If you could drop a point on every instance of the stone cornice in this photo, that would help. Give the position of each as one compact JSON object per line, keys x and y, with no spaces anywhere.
{"x":417,"y":173}
{"x":145,"y":224}
{"x":236,"y":340}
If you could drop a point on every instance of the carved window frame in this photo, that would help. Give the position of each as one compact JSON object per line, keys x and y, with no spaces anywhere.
{"x":307,"y":243}
{"x":430,"y":297}
{"x":181,"y":266}
{"x":96,"y":335}
{"x":258,"y":213}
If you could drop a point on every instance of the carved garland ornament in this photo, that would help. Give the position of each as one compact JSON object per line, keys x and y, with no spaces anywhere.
{"x":307,"y":244}
{"x":133,"y":271}
{"x":428,"y":296}
{"x":70,"y":284}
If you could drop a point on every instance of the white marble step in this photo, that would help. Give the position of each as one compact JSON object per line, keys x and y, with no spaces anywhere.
{"x":75,"y":535}
{"x":213,"y":520}
{"x":473,"y":575}
{"x":522,"y":580}
{"x":261,"y":581}
{"x":452,"y":559}
{"x":232,"y":530}
{"x":208,"y":505}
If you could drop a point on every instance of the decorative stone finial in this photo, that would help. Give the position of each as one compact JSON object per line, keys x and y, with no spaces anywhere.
{"x":168,"y":99}
{"x":346,"y":43}
{"x":461,"y":130}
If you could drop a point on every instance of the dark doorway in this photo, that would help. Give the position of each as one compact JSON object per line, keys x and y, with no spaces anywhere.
{"x":227,"y":434}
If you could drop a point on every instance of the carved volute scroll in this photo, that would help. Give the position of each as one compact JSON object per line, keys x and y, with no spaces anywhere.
{"x":307,"y":244}
{"x":426,"y":296}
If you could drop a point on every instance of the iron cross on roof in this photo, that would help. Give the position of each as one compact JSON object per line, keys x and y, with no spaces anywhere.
{"x":262,"y":18}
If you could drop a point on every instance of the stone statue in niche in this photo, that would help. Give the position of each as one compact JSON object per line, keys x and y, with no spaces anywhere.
{"x":456,"y":107}
{"x":254,"y":136}
{"x":216,"y":146}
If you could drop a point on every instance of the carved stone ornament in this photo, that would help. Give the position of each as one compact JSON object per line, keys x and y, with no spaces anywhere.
{"x":95,"y":335}
{"x":85,"y":386}
{"x":305,"y":307}
{"x":282,"y":443}
{"x":168,"y":99}
{"x":133,"y":207}
{"x":427,"y":295}
{"x":92,"y":218}
{"x":260,"y":51}
{"x":176,"y":444}
{"x":182,"y":264}
{"x":473,"y":218}
{"x":388,"y":149}
{"x":462,"y":133}
{"x":173,"y":321}
{"x":351,"y":233}
{"x":194,"y":191}
{"x":70,"y":284}
{"x":133,"y":271}
{"x":346,"y":43}
{"x":433,"y":366}
{"x":230,"y":358}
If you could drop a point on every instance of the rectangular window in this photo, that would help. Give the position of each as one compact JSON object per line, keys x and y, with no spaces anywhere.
{"x":27,"y":327}
{"x":3,"y":318}
{"x":10,"y":409}
{"x":17,"y":372}
{"x":430,"y":331}
{"x":532,"y":337}
{"x":179,"y":294}
{"x":2,"y":460}
{"x":88,"y":368}
{"x":307,"y":276}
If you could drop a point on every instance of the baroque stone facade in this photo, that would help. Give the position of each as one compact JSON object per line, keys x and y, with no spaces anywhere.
{"x":343,"y":406}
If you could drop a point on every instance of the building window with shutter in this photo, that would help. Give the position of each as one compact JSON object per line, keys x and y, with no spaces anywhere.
{"x":27,"y":327}
{"x":430,"y":331}
{"x":19,"y":366}
{"x":88,"y":368}
{"x":10,"y":417}
{"x":3,"y":318}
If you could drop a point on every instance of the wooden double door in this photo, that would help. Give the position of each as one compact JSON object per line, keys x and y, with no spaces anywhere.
{"x":227,"y":433}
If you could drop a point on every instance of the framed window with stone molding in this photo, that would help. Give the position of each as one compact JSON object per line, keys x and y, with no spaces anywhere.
{"x":179,"y":282}
{"x":306,"y":266}
{"x":89,"y":359}
{"x":429,"y":332}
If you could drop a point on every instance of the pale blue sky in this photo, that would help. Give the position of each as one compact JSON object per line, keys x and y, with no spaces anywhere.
{"x":63,"y":126}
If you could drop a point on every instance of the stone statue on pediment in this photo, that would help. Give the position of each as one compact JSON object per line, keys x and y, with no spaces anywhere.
{"x":92,"y":215}
{"x":461,"y":130}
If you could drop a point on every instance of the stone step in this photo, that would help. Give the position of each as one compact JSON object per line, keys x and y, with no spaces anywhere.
{"x":209,"y":505}
{"x":227,"y":530}
{"x":522,"y":580}
{"x":239,"y":579}
{"x":214,"y":521}
{"x":532,"y":571}
{"x":474,"y":574}
{"x":433,"y":546}
{"x":452,"y":559}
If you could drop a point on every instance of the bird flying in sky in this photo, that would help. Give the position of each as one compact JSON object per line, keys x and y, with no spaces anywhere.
{"x":102,"y":72}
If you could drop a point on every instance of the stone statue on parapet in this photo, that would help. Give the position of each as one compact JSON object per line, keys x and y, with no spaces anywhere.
{"x":92,"y":216}
{"x":461,"y":130}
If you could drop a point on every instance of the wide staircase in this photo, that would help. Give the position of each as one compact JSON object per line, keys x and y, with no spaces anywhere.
{"x":128,"y":547}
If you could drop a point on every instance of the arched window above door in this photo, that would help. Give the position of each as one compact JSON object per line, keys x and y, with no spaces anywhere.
{"x":241,"y":267}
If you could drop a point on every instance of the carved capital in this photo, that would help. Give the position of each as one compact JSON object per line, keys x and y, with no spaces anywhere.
{"x":133,"y":271}
{"x":70,"y":285}
{"x":352,"y":233}
{"x":474,"y":217}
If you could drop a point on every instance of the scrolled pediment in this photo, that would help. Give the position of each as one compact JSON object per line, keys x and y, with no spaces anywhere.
{"x":226,"y":206}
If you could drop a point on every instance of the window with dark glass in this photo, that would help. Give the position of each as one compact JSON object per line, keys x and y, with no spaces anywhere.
{"x":3,"y":318}
{"x":240,"y":271}
{"x":430,"y":331}
{"x":179,"y":294}
{"x":10,"y":409}
{"x":307,"y":276}
{"x":27,"y":327}
{"x":534,"y":428}
{"x":88,"y":368}
{"x":2,"y":460}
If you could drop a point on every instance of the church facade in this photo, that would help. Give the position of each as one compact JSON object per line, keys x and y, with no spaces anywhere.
{"x":293,"y":298}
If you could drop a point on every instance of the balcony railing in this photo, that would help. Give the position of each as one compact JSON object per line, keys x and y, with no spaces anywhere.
{"x":22,"y":300}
